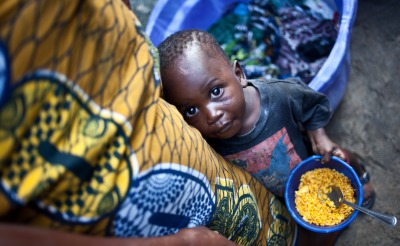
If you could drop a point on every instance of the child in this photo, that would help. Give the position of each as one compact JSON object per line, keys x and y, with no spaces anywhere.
{"x":256,"y":124}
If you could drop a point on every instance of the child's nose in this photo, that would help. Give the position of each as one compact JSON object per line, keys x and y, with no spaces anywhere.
{"x":214,"y":113}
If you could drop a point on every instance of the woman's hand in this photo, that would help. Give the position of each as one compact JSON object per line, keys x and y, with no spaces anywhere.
{"x":12,"y":234}
{"x":323,"y":145}
{"x":203,"y":236}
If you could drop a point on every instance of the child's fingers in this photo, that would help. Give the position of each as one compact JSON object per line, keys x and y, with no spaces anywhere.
{"x":326,"y":158}
{"x":338,"y":153}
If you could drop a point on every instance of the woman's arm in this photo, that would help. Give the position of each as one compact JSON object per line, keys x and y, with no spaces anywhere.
{"x":27,"y":235}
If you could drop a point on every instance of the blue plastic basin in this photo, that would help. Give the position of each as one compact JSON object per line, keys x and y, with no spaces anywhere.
{"x":169,"y":16}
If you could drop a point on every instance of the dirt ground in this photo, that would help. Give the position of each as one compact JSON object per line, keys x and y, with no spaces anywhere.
{"x":367,"y":120}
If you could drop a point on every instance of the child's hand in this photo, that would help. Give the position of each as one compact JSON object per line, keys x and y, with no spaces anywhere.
{"x":323,"y":145}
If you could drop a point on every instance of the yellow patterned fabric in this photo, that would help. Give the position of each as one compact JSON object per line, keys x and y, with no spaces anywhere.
{"x":87,"y":144}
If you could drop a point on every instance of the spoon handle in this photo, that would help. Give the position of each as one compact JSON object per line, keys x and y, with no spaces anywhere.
{"x":390,"y":220}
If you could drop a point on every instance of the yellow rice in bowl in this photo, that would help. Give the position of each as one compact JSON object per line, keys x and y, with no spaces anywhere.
{"x":312,"y":202}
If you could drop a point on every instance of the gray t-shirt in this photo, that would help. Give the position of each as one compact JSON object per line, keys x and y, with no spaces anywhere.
{"x":276,"y":144}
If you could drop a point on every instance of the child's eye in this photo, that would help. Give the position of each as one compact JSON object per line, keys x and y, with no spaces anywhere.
{"x":190,"y":112}
{"x":215,"y":92}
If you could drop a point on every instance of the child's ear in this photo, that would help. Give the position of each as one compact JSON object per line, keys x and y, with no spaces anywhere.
{"x":239,"y":73}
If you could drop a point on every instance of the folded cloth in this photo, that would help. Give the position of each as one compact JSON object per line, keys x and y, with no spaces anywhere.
{"x":88,"y":146}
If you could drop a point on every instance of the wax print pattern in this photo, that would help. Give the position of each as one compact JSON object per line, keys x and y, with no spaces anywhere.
{"x":269,"y":161}
{"x":88,"y":146}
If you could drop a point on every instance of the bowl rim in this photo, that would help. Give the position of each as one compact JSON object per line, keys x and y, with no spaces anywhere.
{"x":316,"y":228}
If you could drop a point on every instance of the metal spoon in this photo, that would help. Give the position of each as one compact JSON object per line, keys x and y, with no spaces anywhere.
{"x":336,"y":196}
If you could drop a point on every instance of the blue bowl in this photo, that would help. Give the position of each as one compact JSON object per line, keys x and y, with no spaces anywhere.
{"x":293,"y":183}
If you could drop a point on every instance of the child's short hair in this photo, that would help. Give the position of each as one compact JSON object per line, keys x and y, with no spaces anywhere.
{"x":174,"y":46}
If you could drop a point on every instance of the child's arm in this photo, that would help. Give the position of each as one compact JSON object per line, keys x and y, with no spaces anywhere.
{"x":323,"y":145}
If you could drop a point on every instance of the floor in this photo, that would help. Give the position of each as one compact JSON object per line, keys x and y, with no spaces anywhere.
{"x":367,"y":120}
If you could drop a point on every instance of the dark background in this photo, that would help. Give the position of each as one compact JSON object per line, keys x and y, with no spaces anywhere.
{"x":367,"y":121}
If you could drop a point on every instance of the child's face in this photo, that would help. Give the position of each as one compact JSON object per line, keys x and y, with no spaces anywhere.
{"x":208,"y":92}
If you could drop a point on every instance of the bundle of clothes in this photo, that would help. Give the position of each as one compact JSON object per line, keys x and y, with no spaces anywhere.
{"x":278,"y":39}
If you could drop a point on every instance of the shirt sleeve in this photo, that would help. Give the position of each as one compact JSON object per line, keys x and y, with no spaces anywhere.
{"x":309,"y":108}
